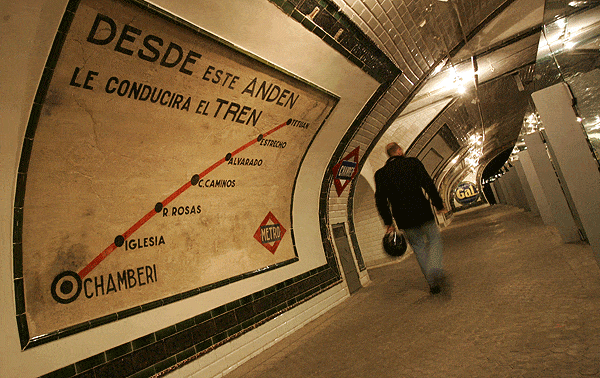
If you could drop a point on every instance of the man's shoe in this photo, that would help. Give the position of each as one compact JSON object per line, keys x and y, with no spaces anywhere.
{"x":439,"y":283}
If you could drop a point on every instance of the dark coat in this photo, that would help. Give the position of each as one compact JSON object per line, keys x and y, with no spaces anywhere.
{"x":400,"y":183}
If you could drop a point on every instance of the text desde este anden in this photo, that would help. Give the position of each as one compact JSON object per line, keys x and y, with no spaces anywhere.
{"x":128,"y":40}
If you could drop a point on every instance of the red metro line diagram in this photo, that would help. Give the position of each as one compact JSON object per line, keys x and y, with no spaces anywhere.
{"x":67,"y":286}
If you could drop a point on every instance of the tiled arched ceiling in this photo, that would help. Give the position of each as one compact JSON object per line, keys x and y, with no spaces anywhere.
{"x":474,"y":57}
{"x":478,"y":42}
{"x":435,"y":43}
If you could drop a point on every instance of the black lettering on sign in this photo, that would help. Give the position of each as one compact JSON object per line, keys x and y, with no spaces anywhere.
{"x":139,"y":243}
{"x":212,"y":183}
{"x":88,"y":79}
{"x":182,"y":210}
{"x":145,"y":92}
{"x":240,"y":114}
{"x":203,"y":107}
{"x":270,"y":233}
{"x":245,"y":161}
{"x":300,"y":124}
{"x":270,"y":92}
{"x":272,"y":143}
{"x":105,"y":29}
{"x":221,"y":77}
{"x":119,"y":281}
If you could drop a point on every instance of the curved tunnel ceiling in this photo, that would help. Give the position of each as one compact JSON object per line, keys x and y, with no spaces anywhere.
{"x":477,"y":76}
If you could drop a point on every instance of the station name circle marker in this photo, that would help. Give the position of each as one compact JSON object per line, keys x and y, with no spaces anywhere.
{"x":66,"y":287}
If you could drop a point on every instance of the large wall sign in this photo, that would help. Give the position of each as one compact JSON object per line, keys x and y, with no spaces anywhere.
{"x":163,"y":162}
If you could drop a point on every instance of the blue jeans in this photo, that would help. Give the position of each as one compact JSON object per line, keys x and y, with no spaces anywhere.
{"x":426,"y":241}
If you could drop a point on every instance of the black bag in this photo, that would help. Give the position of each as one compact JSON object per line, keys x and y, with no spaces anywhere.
{"x":394,"y":244}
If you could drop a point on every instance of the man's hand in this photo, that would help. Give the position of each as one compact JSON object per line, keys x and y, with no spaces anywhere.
{"x":390,"y":229}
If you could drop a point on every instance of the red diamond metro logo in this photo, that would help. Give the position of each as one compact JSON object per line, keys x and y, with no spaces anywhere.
{"x":345,"y":170}
{"x":269,"y":233}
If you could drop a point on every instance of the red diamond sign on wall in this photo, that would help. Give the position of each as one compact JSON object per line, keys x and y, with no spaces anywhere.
{"x":345,"y":171}
{"x":269,"y":233}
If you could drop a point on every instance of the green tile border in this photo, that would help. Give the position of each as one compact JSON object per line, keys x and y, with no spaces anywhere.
{"x":328,"y":179}
{"x":373,"y":61}
{"x":29,"y":342}
{"x":285,"y":296}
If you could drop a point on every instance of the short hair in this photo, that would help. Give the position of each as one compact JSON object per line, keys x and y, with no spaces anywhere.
{"x":392,"y":148}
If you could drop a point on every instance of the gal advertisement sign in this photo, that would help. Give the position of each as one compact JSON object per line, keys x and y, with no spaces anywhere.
{"x":466,"y":193}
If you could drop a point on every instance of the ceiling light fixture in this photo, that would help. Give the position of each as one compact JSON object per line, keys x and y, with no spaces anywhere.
{"x":439,"y":67}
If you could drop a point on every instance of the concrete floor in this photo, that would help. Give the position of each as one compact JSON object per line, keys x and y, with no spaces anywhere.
{"x":522,"y":304}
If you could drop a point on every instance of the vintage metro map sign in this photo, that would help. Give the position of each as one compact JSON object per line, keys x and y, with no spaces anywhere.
{"x":158,"y":152}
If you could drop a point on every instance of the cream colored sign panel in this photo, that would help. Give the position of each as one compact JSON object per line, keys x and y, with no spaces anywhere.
{"x":163,"y":161}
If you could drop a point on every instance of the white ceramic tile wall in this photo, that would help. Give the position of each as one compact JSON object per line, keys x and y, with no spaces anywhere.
{"x":368,"y":217}
{"x":230,"y":356}
{"x":368,"y":225}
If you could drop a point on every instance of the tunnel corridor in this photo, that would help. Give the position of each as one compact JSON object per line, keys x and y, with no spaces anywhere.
{"x":522,"y":304}
{"x":188,"y":187}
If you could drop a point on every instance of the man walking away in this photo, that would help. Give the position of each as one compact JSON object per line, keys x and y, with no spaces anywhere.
{"x":400,"y":184}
